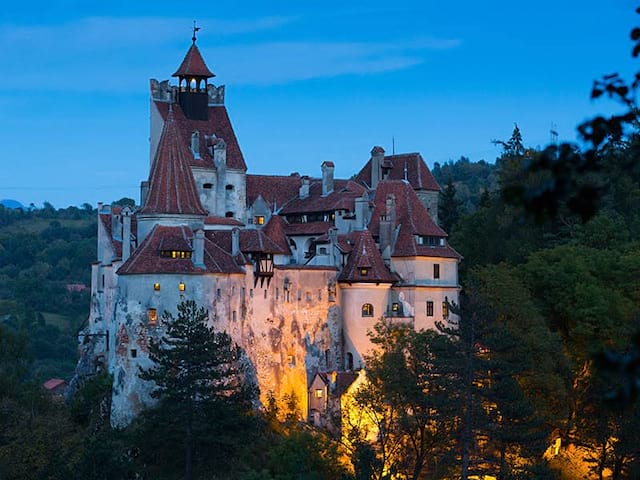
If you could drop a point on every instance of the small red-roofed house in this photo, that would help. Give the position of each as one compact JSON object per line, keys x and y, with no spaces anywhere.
{"x":56,"y":388}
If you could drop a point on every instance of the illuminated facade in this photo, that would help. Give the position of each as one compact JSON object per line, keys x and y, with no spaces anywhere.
{"x":296,"y":269}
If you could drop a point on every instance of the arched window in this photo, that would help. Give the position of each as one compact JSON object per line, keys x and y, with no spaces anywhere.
{"x":367,"y":310}
{"x":229,"y":214}
{"x":349,"y":365}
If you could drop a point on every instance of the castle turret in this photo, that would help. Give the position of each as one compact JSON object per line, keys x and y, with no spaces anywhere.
{"x":193,"y":75}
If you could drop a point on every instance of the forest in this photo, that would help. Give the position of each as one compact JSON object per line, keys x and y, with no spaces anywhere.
{"x":539,"y":380}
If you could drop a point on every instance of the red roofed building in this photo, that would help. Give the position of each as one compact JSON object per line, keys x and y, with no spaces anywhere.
{"x":295,"y":268}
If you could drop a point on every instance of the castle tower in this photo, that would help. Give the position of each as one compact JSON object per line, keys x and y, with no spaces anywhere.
{"x":193,"y":75}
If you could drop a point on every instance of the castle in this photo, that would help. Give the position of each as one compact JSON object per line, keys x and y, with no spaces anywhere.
{"x":296,"y":269}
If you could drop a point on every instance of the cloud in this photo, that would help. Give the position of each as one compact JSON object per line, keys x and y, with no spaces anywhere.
{"x":104,"y":54}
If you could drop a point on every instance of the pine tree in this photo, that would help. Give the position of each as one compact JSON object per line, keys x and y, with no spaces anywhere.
{"x":199,"y":383}
{"x":449,"y":207}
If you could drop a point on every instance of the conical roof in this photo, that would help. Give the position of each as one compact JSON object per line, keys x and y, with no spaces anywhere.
{"x":193,"y":65}
{"x":172,"y":189}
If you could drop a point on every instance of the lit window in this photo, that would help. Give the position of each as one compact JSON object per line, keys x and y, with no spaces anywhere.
{"x":318,"y":393}
{"x":258,"y":219}
{"x":182,"y":287}
{"x":367,"y":310}
{"x":436,"y":270}
{"x":429,"y":308}
{"x":395,"y":307}
{"x":156,"y":287}
{"x":152,"y":316}
{"x":175,"y":253}
{"x":364,"y":271}
{"x":445,"y":310}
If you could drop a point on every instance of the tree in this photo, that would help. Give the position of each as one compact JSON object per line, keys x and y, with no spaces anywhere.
{"x":199,"y":384}
{"x":449,"y":207}
{"x":412,"y":400}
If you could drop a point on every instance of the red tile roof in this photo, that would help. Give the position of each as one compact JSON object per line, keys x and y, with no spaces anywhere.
{"x":275,"y":230}
{"x":365,"y":254}
{"x":276,"y":190}
{"x":193,"y":65}
{"x":146,"y":258}
{"x":212,"y":220}
{"x":310,"y":228}
{"x":418,"y":174}
{"x":217,"y":123}
{"x":251,"y":241}
{"x":342,"y":197}
{"x":413,"y":219}
{"x":54,"y":383}
{"x":171,"y":186}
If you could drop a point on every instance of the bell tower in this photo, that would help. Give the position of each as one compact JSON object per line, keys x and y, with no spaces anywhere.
{"x":193,"y":75}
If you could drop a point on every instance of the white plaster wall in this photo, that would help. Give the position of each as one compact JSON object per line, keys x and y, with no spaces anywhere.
{"x":207,"y":196}
{"x":352,"y":297}
{"x":419,"y":270}
{"x":155,"y":131}
{"x":236,"y":200}
{"x":147,"y":222}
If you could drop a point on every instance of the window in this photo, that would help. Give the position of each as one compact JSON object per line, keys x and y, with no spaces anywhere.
{"x":258,"y":219}
{"x":182,"y":287}
{"x":322,"y":250}
{"x":207,"y":186}
{"x":349,"y":361}
{"x":156,"y":287}
{"x":364,"y":271}
{"x":228,"y":214}
{"x":319,"y":393}
{"x":445,"y":310}
{"x":218,"y":294}
{"x":395,"y":307}
{"x":429,"y":308}
{"x":134,"y":353}
{"x":175,"y":253}
{"x":436,"y":270}
{"x":367,"y":310}
{"x":234,"y":315}
{"x":152,"y":316}
{"x":229,"y":188}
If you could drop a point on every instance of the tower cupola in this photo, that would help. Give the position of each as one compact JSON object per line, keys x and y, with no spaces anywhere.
{"x":193,"y":75}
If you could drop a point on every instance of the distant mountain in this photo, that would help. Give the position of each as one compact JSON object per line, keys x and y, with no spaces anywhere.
{"x":7,"y":203}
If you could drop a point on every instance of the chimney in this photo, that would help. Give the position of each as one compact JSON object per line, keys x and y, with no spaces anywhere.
{"x":327,"y":178}
{"x":220,"y":162}
{"x":198,"y":248}
{"x":387,"y":228}
{"x":235,"y":241}
{"x":362,"y":207}
{"x":304,"y":188}
{"x":377,"y":157}
{"x":333,"y":243}
{"x":126,"y":233}
{"x":195,"y":145}
{"x":144,"y":191}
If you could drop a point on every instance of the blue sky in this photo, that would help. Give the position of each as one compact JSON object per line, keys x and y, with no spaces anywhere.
{"x":306,"y":82}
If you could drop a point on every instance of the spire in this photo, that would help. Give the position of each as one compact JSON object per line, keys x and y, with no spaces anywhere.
{"x":193,"y":64}
{"x":172,"y":189}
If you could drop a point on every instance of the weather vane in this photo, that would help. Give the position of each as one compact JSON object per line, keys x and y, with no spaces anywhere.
{"x":195,"y":29}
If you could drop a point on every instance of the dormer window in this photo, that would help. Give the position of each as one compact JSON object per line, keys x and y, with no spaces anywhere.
{"x":364,"y":271}
{"x":175,"y":253}
{"x":258,"y":220}
{"x":395,"y":307}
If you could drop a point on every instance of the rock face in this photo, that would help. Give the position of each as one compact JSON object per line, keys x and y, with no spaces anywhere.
{"x":295,"y":269}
